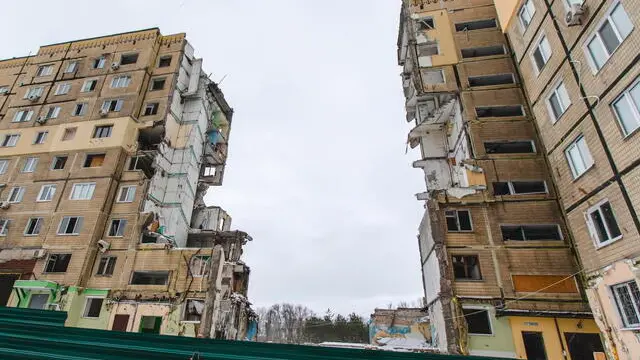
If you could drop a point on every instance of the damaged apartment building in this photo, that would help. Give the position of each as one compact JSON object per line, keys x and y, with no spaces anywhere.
{"x":107,"y":148}
{"x":498,"y":262}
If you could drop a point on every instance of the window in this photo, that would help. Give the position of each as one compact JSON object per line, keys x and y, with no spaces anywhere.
{"x":578,"y":156}
{"x":127,"y":194}
{"x":47,"y":192}
{"x":112,"y":105}
{"x":478,"y":322}
{"x":30,"y":164}
{"x":150,"y":278}
{"x":466,"y":267}
{"x":199,"y":265}
{"x":92,"y":308}
{"x":107,"y":265}
{"x":499,"y":111}
{"x":34,"y":92}
{"x":63,"y":89}
{"x":71,"y":67}
{"x":193,"y":310}
{"x":525,"y":14}
{"x":98,"y":63}
{"x":627,"y":109}
{"x":102,"y":131}
{"x":16,"y":194}
{"x":127,"y":59}
{"x":509,"y":147}
{"x":164,"y":61}
{"x":4,"y":226}
{"x":70,"y":225}
{"x":135,"y":163}
{"x":458,"y":220}
{"x":94,"y":160}
{"x":82,"y":191}
{"x":4,"y":164}
{"x":59,"y":162}
{"x":491,"y":80}
{"x":4,"y":90}
{"x":22,"y":116}
{"x":602,"y":224}
{"x":433,"y":76}
{"x":121,"y":81}
{"x":615,"y":27}
{"x":429,"y":48}
{"x":530,"y":232}
{"x":483,"y":51}
{"x":519,"y":187}
{"x":10,"y":140}
{"x":89,"y":85}
{"x":157,"y":84}
{"x":41,"y":137}
{"x":57,"y":263}
{"x":45,"y":70}
{"x":151,"y":109}
{"x":425,"y":24}
{"x":80,"y":109}
{"x":628,"y":302}
{"x":541,"y":53}
{"x":34,"y":225}
{"x":52,"y":112}
{"x":117,"y":227}
{"x":558,"y":102}
{"x":69,"y":133}
{"x":476,"y":25}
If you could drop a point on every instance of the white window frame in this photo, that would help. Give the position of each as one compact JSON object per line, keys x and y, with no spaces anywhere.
{"x":44,"y":70}
{"x":18,"y":198}
{"x":596,"y":35}
{"x":513,"y":192}
{"x":53,"y":112}
{"x":120,"y":229}
{"x":47,"y":193}
{"x":53,"y":163}
{"x":4,"y":226}
{"x":591,"y":226}
{"x":120,"y":81}
{"x":102,"y":131}
{"x":626,"y":96}
{"x":77,"y":228}
{"x":24,"y":115}
{"x":30,"y":164}
{"x":63,"y":89}
{"x":471,"y":307}
{"x":101,"y":61}
{"x":10,"y":140}
{"x":4,"y":165}
{"x":88,"y":193}
{"x":83,"y":109}
{"x":87,"y":307}
{"x":106,"y":105}
{"x":86,"y":85}
{"x":34,"y":91}
{"x":529,"y":8}
{"x":585,"y":157}
{"x":636,"y":307}
{"x":71,"y":67}
{"x":39,"y":221}
{"x":559,"y":90}
{"x":546,"y":57}
{"x":130,"y":195}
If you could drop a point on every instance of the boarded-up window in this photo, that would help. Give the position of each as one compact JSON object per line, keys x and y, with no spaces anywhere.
{"x":544,"y":284}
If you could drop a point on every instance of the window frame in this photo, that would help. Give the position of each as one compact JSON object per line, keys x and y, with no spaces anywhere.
{"x":477,"y":257}
{"x":559,"y":96}
{"x":41,"y":137}
{"x":525,"y":8}
{"x":521,"y":225}
{"x":48,"y":188}
{"x":120,"y":81}
{"x":128,"y":189}
{"x":154,"y":106}
{"x":457,"y":217}
{"x":636,"y":307}
{"x":120,"y":229}
{"x":83,"y":109}
{"x":100,"y":130}
{"x":4,"y":226}
{"x":512,"y":190}
{"x":203,"y":268}
{"x":184,"y":311}
{"x":19,"y":197}
{"x":71,"y":67}
{"x":38,"y":226}
{"x":53,"y":112}
{"x":77,"y":227}
{"x":48,"y":67}
{"x":569,"y":157}
{"x":4,"y":166}
{"x":91,"y":186}
{"x":109,"y":259}
{"x":538,"y":46}
{"x":69,"y":133}
{"x":55,"y":158}
{"x":30,"y":164}
{"x":6,"y":142}
{"x":22,"y":115}
{"x":86,"y":89}
{"x":591,"y":226}
{"x":107,"y":105}
{"x":628,"y":98}
{"x":34,"y":91}
{"x":46,"y":264}
{"x":595,"y":34}
{"x":98,"y":62}
{"x":87,"y":307}
{"x":487,"y":311}
{"x":62,"y":89}
{"x":164,"y":57}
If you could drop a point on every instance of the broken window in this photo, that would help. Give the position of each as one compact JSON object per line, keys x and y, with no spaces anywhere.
{"x":466,"y":267}
{"x":200,"y":265}
{"x":164,"y":61}
{"x":478,"y":321}
{"x":530,"y":232}
{"x":107,"y":265}
{"x":483,"y":51}
{"x":92,"y":307}
{"x":151,"y":109}
{"x":603,"y":224}
{"x":129,"y":59}
{"x":491,"y":80}
{"x":80,"y":109}
{"x":509,"y":147}
{"x":425,"y":24}
{"x":94,"y":160}
{"x":150,"y":278}
{"x":150,"y":324}
{"x":117,"y":227}
{"x":499,"y":111}
{"x":70,"y":225}
{"x":57,"y":263}
{"x":98,"y":63}
{"x":157,"y":84}
{"x":102,"y":131}
{"x":59,"y":162}
{"x":458,"y":220}
{"x":193,"y":310}
{"x":519,"y":187}
{"x":476,"y":25}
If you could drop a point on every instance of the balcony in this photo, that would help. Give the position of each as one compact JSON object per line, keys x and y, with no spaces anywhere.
{"x":211,"y":175}
{"x":434,"y":113}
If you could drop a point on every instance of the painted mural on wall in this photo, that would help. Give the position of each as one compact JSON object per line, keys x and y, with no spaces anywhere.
{"x":407,"y":328}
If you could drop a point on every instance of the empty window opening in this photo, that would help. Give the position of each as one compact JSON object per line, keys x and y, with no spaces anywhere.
{"x":107,"y":265}
{"x":200,"y":265}
{"x":70,"y":225}
{"x":519,"y":187}
{"x":164,"y":61}
{"x":117,"y":227}
{"x":483,"y":51}
{"x":478,"y":321}
{"x":57,"y":263}
{"x":128,"y":59}
{"x":102,"y":131}
{"x":530,"y":232}
{"x":428,"y":49}
{"x":491,"y":80}
{"x":150,"y":324}
{"x":150,"y":278}
{"x":209,"y":171}
{"x":94,"y":160}
{"x":92,"y":308}
{"x":534,"y":345}
{"x":425,"y":24}
{"x":151,"y":109}
{"x":466,"y":267}
{"x":499,"y":111}
{"x":59,"y":162}
{"x":458,"y":220}
{"x":157,"y":84}
{"x":34,"y":225}
{"x":98,"y":63}
{"x":509,"y":147}
{"x":476,"y":25}
{"x":603,"y":224}
{"x":193,"y":310}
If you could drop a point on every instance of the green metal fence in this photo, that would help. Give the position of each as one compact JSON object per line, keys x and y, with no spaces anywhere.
{"x":39,"y":334}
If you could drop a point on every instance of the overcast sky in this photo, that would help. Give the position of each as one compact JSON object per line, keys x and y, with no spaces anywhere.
{"x":317,"y":171}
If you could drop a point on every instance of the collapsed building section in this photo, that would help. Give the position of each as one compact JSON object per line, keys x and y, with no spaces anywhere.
{"x":103,"y":213}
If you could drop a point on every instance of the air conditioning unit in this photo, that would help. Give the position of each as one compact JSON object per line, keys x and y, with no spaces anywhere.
{"x":39,"y":254}
{"x":115,"y":66}
{"x":34,"y":97}
{"x":575,"y":14}
{"x":4,"y":205}
{"x":41,"y":119}
{"x":103,"y":246}
{"x":104,"y":112}
{"x":52,"y":306}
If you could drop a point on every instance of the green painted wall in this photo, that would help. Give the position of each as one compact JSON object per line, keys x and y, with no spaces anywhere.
{"x":75,"y":302}
{"x":500,"y":341}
